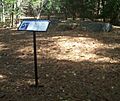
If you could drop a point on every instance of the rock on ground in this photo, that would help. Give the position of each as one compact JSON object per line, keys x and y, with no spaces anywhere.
{"x":95,"y":26}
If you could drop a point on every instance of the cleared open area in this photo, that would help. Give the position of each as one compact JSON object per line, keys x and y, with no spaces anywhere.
{"x":72,"y":66}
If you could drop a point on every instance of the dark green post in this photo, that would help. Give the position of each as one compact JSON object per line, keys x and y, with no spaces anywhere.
{"x":35,"y":59}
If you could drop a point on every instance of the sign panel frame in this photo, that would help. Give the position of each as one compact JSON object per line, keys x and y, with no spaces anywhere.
{"x":34,"y":25}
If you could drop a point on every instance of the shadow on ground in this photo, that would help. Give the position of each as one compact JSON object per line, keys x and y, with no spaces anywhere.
{"x":72,"y":66}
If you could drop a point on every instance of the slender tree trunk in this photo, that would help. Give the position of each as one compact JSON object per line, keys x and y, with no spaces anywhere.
{"x":103,"y":5}
{"x":98,"y":7}
{"x":40,"y":9}
{"x":12,"y":16}
{"x":66,"y":14}
{"x":16,"y":15}
{"x":74,"y":16}
{"x":48,"y":16}
{"x":12,"y":19}
{"x":3,"y":12}
{"x":41,"y":5}
{"x":114,"y":19}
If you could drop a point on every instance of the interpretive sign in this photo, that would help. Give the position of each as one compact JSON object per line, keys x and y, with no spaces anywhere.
{"x":34,"y":25}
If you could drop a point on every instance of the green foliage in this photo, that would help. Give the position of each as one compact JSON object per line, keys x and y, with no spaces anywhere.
{"x":52,"y":6}
{"x":10,"y":6}
{"x":79,"y":8}
{"x":112,"y":10}
{"x":106,"y":9}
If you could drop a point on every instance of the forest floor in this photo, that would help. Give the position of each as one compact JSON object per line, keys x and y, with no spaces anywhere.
{"x":72,"y":66}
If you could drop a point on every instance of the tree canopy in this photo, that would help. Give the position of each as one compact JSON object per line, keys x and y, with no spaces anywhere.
{"x":108,"y":10}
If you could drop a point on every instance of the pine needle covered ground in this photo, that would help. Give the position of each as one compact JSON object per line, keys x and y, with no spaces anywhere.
{"x":72,"y":66}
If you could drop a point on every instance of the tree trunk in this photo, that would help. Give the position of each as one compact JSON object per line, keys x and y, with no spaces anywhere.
{"x":3,"y":12}
{"x":98,"y":7}
{"x":48,"y":16}
{"x":66,"y":14}
{"x":12,"y":16}
{"x":74,"y":15}
{"x":103,"y":5}
{"x":12,"y":19}
{"x":114,"y":19}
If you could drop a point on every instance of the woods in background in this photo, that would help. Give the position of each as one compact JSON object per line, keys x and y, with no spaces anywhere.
{"x":106,"y":10}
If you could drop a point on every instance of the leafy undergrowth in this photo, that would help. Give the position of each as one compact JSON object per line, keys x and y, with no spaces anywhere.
{"x":72,"y":66}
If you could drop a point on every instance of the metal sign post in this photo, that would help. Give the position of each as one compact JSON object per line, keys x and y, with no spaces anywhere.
{"x":34,"y":26}
{"x":35,"y":59}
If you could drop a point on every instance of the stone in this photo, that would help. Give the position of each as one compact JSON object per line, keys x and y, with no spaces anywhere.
{"x":95,"y":26}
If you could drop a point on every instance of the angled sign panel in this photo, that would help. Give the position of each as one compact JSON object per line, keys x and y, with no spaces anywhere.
{"x":34,"y":25}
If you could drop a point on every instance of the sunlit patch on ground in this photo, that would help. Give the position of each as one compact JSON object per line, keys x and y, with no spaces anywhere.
{"x":25,"y":52}
{"x":70,"y":48}
{"x":75,"y":49}
{"x":2,"y":46}
{"x":2,"y":78}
